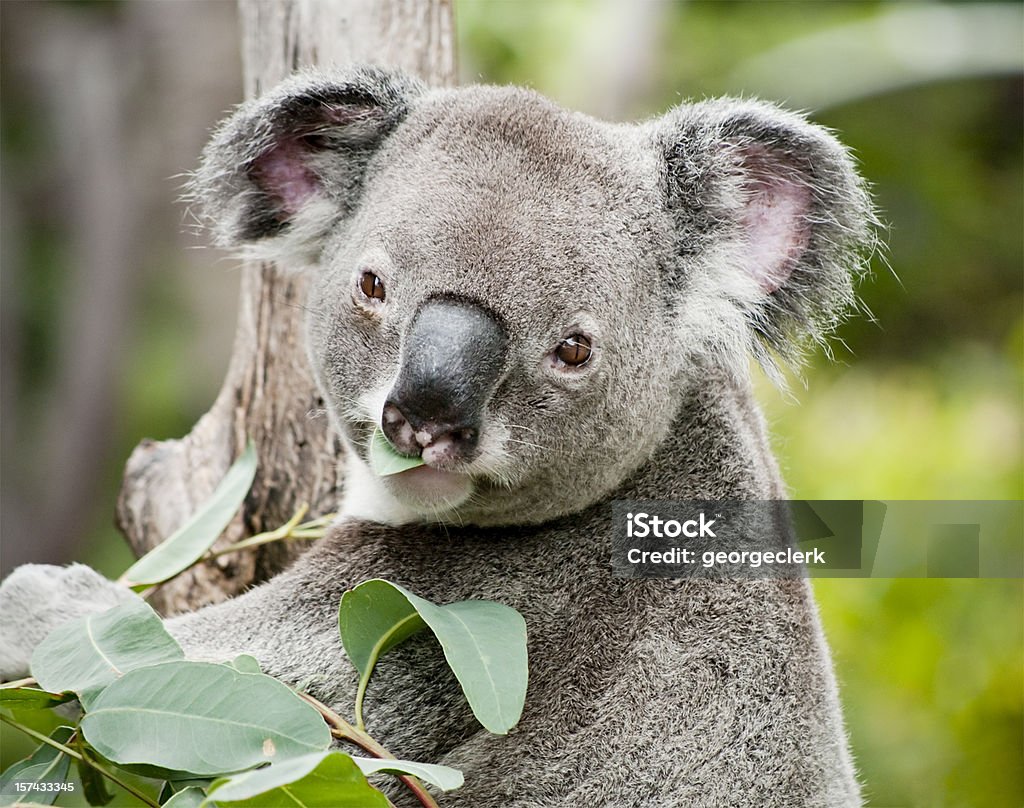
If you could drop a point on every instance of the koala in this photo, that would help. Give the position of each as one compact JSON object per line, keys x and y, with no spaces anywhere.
{"x":553,"y":312}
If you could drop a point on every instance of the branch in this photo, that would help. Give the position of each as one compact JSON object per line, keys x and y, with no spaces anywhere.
{"x":343,"y":730}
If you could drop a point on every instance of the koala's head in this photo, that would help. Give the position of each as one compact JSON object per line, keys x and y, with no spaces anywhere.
{"x":520,"y":294}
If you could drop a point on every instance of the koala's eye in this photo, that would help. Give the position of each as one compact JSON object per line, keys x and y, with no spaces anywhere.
{"x":574,"y":350}
{"x":371,"y":286}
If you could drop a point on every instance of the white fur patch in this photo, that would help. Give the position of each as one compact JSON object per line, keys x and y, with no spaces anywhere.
{"x":372,"y":401}
{"x":298,"y":246}
{"x":367,"y":499}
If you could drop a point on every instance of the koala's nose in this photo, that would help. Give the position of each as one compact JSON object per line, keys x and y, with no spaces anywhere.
{"x":437,"y":442}
{"x":454,"y":354}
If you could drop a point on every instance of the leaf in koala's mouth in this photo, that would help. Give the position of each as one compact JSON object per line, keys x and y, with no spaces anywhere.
{"x":385,"y":461}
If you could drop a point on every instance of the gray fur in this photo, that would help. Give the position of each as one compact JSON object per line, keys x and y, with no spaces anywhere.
{"x":36,"y":598}
{"x":679,"y":246}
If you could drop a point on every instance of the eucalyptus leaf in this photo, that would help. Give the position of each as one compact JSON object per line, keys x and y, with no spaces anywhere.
{"x":89,"y":653}
{"x":31,"y":698}
{"x":188,"y":544}
{"x":202,"y":718}
{"x":178,"y":779}
{"x":190,"y":797}
{"x":443,"y":777}
{"x":94,"y":784}
{"x":32,"y":804}
{"x":173,"y":785}
{"x":484,"y":643}
{"x":385,"y":461}
{"x":373,"y":618}
{"x":324,"y":780}
{"x":44,"y":765}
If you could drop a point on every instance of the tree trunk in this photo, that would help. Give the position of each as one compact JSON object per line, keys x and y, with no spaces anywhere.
{"x":268,"y":395}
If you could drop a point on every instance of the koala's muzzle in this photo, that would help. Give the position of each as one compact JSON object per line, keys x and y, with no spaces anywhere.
{"x":454,"y":354}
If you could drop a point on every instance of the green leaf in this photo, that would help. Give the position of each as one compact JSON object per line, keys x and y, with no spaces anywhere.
{"x":174,"y":785}
{"x":190,"y":797}
{"x":45,"y":765}
{"x":178,"y":779}
{"x":31,"y":698}
{"x":374,"y":617}
{"x":89,"y":653}
{"x":186,"y":545}
{"x":484,"y":643}
{"x":323,"y":780}
{"x":94,"y":784}
{"x":243,"y":663}
{"x":203,"y":718}
{"x":443,"y":777}
{"x":385,"y":461}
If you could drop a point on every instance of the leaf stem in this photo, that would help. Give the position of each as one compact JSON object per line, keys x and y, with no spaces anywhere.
{"x":360,"y":694}
{"x":28,"y":681}
{"x":343,"y":730}
{"x":294,"y":528}
{"x":371,"y":662}
{"x":83,"y":758}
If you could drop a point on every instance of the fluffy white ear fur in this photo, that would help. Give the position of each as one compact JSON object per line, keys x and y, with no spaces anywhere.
{"x":773,"y":225}
{"x":298,"y":246}
{"x":284,"y":169}
{"x":729,"y":295}
{"x":714,"y":316}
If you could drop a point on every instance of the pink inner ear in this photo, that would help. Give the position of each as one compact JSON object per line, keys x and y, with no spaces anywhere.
{"x":777,"y":229}
{"x":282,"y":173}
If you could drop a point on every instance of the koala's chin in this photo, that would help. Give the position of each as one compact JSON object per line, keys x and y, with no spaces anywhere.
{"x":422,"y":494}
{"x":429,"y":490}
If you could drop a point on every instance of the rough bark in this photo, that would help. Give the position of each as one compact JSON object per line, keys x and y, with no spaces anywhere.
{"x":268,"y":395}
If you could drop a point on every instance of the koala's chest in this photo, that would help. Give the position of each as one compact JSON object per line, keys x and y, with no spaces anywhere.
{"x":414,"y":704}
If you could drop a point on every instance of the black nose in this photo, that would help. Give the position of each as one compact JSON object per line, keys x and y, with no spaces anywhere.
{"x":453,"y":356}
{"x":436,"y":441}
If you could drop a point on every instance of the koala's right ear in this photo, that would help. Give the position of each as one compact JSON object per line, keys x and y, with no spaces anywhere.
{"x":284,"y":169}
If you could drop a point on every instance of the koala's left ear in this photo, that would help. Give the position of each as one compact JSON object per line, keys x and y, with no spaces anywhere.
{"x":772,"y":224}
{"x":284,"y":169}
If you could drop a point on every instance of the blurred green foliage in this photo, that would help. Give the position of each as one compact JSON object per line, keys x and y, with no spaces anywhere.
{"x":931,"y":672}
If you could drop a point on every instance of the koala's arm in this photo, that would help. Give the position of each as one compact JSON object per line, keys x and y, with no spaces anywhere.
{"x":37,"y":598}
{"x":289,"y":623}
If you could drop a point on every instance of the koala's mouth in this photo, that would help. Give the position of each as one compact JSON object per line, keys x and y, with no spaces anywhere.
{"x":425,"y":481}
